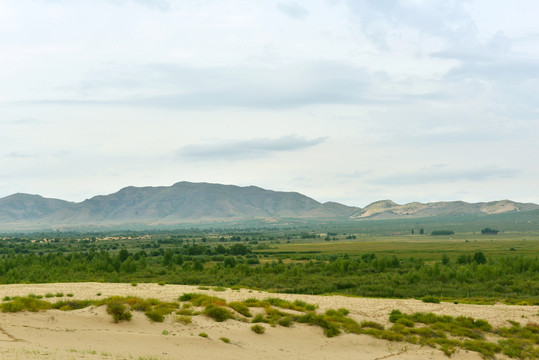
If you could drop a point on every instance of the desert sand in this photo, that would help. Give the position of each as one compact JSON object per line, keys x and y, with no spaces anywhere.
{"x":90,"y":333}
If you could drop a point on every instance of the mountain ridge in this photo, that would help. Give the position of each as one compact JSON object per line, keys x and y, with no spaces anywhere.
{"x":191,"y":203}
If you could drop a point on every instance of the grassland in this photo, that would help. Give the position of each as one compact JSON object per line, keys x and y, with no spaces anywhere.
{"x":425,"y":247}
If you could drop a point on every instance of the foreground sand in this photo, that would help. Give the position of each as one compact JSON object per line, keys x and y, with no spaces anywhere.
{"x":90,"y":333}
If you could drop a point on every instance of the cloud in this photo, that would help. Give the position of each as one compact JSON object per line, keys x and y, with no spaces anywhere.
{"x":24,"y":121}
{"x":163,"y":5}
{"x":181,"y":87}
{"x":19,"y":155}
{"x":293,"y":9}
{"x":442,"y":175}
{"x":246,"y":149}
{"x":355,"y":175}
{"x":379,"y":20}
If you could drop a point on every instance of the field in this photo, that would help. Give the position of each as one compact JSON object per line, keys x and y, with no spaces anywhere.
{"x":428,"y":248}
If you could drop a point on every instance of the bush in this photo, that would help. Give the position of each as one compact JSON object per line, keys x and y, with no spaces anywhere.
{"x":404,"y":321}
{"x":241,"y":308}
{"x":371,"y":325}
{"x":430,"y":299}
{"x":25,"y":304}
{"x":202,"y":299}
{"x":259,"y":318}
{"x":285,"y":321}
{"x":118,"y":310}
{"x":225,"y":340}
{"x":203,"y":334}
{"x":186,"y":320}
{"x":218,"y":313}
{"x":72,"y":304}
{"x":343,"y":311}
{"x":138,"y":304}
{"x":259,"y":329}
{"x":155,"y":316}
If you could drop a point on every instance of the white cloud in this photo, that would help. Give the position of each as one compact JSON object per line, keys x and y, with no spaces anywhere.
{"x":293,"y":9}
{"x":245,"y":149}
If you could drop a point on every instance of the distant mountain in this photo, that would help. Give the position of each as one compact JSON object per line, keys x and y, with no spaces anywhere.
{"x":191,"y":203}
{"x":29,"y":207}
{"x":387,"y":209}
{"x":183,"y":202}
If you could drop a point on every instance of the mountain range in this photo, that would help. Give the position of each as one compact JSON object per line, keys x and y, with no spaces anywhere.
{"x":191,"y":203}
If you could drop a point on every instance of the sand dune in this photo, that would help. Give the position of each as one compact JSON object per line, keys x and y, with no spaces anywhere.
{"x":91,"y":334}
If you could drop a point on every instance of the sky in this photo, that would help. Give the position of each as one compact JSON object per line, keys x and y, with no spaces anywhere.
{"x":351,"y":101}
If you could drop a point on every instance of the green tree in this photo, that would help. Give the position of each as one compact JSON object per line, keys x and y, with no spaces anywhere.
{"x":480,"y":258}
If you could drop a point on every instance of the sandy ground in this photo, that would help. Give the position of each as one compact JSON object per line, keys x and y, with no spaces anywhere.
{"x":90,"y":333}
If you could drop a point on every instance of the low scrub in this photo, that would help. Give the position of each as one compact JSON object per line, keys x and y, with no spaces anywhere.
{"x":241,"y":308}
{"x":26,"y":303}
{"x":68,"y":305}
{"x":218,"y":313}
{"x":258,"y":329}
{"x":430,"y":299}
{"x":117,"y":308}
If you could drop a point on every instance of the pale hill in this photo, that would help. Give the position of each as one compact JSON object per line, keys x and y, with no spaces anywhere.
{"x":386,"y":209}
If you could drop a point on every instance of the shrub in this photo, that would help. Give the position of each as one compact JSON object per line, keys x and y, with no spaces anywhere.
{"x":406,"y":322}
{"x":202,"y":299}
{"x":343,"y":311}
{"x":225,"y":340}
{"x":118,"y":310}
{"x":203,"y":334}
{"x":186,"y":320}
{"x":188,"y":296}
{"x":138,"y":304}
{"x":259,"y":329}
{"x":285,"y":321}
{"x":72,"y":305}
{"x":430,"y":299}
{"x":241,"y":308}
{"x":259,"y":318}
{"x":218,"y":313}
{"x":185,"y":312}
{"x":25,"y":303}
{"x":395,"y":315}
{"x":155,"y":316}
{"x":372,"y":325}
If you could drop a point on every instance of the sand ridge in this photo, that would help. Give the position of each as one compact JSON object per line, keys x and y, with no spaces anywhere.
{"x":91,"y":334}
